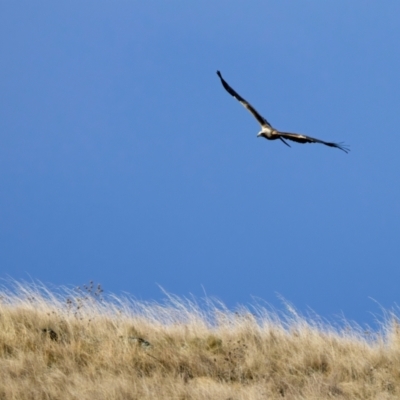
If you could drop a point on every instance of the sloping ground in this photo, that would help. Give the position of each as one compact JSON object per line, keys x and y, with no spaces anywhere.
{"x":76,"y":345}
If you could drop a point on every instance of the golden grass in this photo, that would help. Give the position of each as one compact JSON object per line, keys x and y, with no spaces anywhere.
{"x":76,"y":345}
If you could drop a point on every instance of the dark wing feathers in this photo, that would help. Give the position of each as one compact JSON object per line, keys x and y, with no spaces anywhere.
{"x":261,"y":120}
{"x":284,"y":141}
{"x":296,"y":137}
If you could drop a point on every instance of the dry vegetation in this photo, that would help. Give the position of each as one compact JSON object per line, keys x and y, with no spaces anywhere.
{"x":78,"y":345}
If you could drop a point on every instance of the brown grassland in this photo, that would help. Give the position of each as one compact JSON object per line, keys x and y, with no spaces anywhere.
{"x":77,"y":344}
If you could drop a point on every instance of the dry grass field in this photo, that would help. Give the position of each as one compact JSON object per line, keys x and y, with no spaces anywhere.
{"x":77,"y":344}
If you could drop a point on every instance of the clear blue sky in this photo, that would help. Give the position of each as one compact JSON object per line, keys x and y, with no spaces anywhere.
{"x":124,"y":161}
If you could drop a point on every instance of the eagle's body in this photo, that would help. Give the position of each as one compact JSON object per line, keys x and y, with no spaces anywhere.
{"x":268,"y":132}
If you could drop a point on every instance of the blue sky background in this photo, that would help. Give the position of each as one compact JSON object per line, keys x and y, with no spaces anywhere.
{"x":124,"y":161}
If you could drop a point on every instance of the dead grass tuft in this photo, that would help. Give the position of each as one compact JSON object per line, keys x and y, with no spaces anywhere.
{"x":73,"y":344}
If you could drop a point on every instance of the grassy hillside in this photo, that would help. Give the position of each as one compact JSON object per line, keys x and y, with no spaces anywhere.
{"x":78,"y":345}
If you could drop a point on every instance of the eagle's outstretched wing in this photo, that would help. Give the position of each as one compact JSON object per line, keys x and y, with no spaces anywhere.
{"x":261,"y":120}
{"x":299,"y":138}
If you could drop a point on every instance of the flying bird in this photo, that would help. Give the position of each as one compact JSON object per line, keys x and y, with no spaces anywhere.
{"x":270,"y":133}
